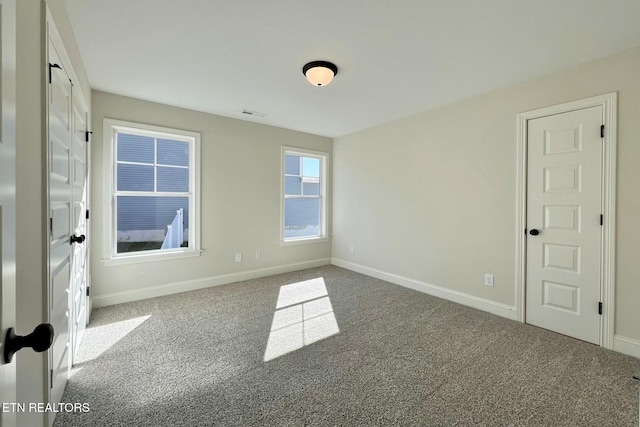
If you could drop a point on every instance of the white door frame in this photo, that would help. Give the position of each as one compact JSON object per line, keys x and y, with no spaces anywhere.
{"x":608,"y":102}
{"x":8,"y":306}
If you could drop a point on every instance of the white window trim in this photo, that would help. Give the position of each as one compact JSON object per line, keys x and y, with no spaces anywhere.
{"x":324,"y":167}
{"x":110,"y":127}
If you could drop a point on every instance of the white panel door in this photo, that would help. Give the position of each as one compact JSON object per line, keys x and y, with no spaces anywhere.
{"x":564,"y":173}
{"x":61,"y":209}
{"x":7,"y":203}
{"x":79,"y":222}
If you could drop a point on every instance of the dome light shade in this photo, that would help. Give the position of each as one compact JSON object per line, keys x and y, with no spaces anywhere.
{"x":320,"y":73}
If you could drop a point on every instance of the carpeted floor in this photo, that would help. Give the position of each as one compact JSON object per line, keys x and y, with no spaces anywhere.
{"x":361,"y":352}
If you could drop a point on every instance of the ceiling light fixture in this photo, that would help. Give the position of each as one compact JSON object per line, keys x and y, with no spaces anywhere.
{"x":320,"y":73}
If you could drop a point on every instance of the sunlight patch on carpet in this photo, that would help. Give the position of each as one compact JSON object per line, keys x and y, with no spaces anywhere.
{"x":98,"y":339}
{"x":304,"y":315}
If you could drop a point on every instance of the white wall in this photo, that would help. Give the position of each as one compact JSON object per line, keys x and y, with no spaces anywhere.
{"x":431,"y":197}
{"x":240,"y":204}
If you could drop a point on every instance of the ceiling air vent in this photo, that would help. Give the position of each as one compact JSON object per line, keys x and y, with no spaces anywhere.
{"x":253,"y":113}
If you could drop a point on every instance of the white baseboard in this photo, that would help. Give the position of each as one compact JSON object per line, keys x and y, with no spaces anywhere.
{"x":206,"y":282}
{"x":626,"y":346}
{"x":493,"y":307}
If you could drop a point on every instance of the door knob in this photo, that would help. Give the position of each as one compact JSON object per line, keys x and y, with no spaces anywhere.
{"x":534,"y":232}
{"x":77,"y":239}
{"x":39,"y":340}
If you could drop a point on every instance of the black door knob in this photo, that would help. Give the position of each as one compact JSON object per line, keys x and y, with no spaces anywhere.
{"x":534,"y":232}
{"x":77,"y":239}
{"x":39,"y":340}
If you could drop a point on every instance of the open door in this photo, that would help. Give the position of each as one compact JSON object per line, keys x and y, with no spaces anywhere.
{"x":68,"y":137}
{"x":62,"y":240}
{"x":7,"y":203}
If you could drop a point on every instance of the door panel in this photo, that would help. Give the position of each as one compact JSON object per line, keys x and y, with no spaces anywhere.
{"x":60,"y":275}
{"x":60,"y":221}
{"x":564,"y":175}
{"x":59,"y":159}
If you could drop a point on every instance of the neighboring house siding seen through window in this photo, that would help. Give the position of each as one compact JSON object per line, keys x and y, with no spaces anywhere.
{"x":154,"y":190}
{"x":304,"y":201}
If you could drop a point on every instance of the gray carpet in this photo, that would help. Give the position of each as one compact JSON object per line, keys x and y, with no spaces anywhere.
{"x":365,"y":352}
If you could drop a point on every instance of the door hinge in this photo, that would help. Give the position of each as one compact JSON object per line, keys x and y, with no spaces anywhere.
{"x":86,"y":135}
{"x":50,"y":67}
{"x":87,"y":214}
{"x":600,"y":308}
{"x":601,"y":219}
{"x":51,"y":375}
{"x":602,"y":131}
{"x":51,"y":224}
{"x":88,"y":290}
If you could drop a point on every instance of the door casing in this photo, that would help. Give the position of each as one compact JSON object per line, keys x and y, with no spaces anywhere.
{"x":608,"y":102}
{"x":7,"y":203}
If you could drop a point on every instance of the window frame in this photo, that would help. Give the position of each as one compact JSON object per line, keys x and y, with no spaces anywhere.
{"x":323,"y":157}
{"x":110,"y":129}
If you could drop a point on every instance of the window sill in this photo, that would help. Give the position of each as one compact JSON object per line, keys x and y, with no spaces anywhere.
{"x":304,"y":241}
{"x":154,"y":257}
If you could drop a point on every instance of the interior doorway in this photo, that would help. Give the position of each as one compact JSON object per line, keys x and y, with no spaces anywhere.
{"x":566,"y":218}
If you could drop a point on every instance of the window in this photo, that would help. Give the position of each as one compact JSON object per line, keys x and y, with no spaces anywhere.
{"x":153,"y":190}
{"x":304,"y":203}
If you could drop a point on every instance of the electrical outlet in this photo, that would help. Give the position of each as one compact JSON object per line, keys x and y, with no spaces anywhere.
{"x":238,"y":257}
{"x":352,"y":250}
{"x":258,"y":255}
{"x":488,"y":279}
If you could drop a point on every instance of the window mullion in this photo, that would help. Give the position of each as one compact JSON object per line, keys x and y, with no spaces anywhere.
{"x":300,"y":168}
{"x":295,"y":196}
{"x":155,"y":165}
{"x":172,"y":166}
{"x":115,"y":159}
{"x":151,"y":194}
{"x":124,"y":162}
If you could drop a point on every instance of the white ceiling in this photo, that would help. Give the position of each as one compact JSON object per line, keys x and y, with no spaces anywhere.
{"x":395,"y":57}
